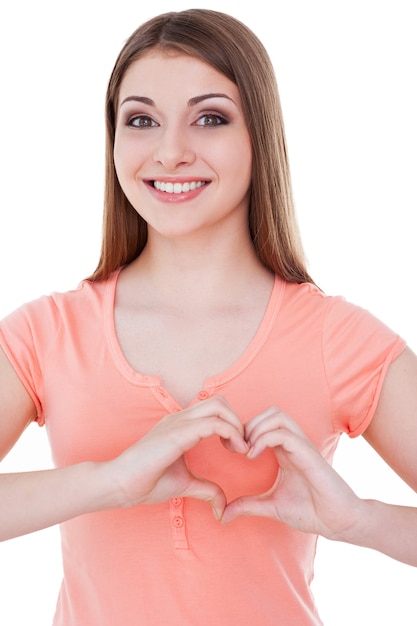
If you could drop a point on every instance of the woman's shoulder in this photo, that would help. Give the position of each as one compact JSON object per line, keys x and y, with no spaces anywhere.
{"x":309,"y":296}
{"x":336,"y":315}
{"x":51,"y":310}
{"x":308,"y":299}
{"x":86,"y":294}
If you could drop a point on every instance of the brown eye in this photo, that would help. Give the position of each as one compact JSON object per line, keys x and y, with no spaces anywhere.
{"x":141,"y":121}
{"x":211,"y":119}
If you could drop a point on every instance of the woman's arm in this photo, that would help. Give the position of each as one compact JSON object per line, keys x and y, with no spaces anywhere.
{"x":310,"y":496}
{"x":152,"y":470}
{"x":393,"y":434}
{"x":392,"y":529}
{"x":17,"y":409}
{"x":34,"y":500}
{"x":393,"y":430}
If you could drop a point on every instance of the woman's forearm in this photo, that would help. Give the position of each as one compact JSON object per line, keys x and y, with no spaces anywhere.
{"x":152,"y":470}
{"x":387,"y":528}
{"x":31,"y":501}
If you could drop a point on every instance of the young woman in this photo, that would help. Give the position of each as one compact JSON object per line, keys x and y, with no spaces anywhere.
{"x":196,"y":385}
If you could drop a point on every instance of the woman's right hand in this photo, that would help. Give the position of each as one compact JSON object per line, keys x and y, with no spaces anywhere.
{"x":152,"y":470}
{"x":155,"y":469}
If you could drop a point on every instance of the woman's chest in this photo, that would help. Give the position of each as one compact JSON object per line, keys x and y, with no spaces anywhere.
{"x":183,"y":351}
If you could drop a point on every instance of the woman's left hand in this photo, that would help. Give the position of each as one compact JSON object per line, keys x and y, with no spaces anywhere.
{"x":308,"y":494}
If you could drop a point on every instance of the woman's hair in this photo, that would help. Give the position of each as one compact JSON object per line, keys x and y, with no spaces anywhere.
{"x":231,"y":48}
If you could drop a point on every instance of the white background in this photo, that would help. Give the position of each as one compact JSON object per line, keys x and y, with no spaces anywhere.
{"x":347,"y":77}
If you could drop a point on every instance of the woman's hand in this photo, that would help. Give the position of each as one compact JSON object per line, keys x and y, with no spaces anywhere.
{"x":155,"y":469}
{"x":308,"y":494}
{"x":152,"y":470}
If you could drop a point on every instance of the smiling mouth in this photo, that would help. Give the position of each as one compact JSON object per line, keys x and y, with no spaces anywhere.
{"x":178,"y":187}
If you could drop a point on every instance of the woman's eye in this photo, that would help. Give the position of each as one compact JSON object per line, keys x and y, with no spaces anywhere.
{"x":211,"y":119}
{"x":141,"y":121}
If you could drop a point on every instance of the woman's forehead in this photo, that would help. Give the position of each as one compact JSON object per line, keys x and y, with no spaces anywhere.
{"x":159,"y":71}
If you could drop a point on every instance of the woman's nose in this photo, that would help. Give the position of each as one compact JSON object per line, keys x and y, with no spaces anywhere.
{"x":173,"y":149}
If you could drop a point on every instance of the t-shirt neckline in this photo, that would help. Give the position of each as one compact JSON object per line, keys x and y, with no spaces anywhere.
{"x":240,"y":364}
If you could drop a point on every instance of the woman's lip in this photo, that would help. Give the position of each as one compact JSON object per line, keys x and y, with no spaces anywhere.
{"x":177,"y":179}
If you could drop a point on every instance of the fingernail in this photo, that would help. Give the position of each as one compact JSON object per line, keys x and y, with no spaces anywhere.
{"x":245,"y":447}
{"x":217,"y":515}
{"x":250,"y":452}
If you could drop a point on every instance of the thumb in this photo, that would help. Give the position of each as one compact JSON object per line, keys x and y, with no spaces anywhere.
{"x":204,"y":489}
{"x":247,"y":506}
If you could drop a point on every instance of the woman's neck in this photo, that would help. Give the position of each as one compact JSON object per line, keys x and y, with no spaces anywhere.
{"x":197,"y":269}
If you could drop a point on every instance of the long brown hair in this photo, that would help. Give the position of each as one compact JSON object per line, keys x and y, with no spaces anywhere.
{"x":231,"y":48}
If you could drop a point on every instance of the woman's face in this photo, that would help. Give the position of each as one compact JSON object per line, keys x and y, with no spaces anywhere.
{"x":182,"y":149}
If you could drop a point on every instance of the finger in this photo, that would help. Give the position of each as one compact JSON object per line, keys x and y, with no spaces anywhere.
{"x":273,"y":419}
{"x":232,"y":446}
{"x":278,"y":437}
{"x":248,"y":506}
{"x":216,"y":406}
{"x":290,"y":449}
{"x":215,"y":425}
{"x":176,"y":434}
{"x":208,"y":491}
{"x":258,"y":419}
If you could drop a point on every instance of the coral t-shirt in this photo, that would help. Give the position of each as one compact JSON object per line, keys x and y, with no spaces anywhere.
{"x":319,"y":358}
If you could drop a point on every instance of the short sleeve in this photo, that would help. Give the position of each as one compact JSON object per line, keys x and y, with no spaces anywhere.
{"x":357,"y":350}
{"x":23,"y":334}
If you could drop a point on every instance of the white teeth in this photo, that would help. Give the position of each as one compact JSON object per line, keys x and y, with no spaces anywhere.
{"x":178,"y":187}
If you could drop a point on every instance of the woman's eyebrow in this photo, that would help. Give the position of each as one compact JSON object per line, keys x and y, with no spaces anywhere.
{"x":207,"y":96}
{"x":142,"y":99}
{"x":191,"y":102}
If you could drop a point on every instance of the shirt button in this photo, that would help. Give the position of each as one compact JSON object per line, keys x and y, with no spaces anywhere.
{"x":176,"y":501}
{"x":178,"y":522}
{"x":162,"y":392}
{"x":203,"y":395}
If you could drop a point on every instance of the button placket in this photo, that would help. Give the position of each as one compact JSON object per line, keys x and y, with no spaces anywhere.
{"x":177,"y":521}
{"x":165,"y":399}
